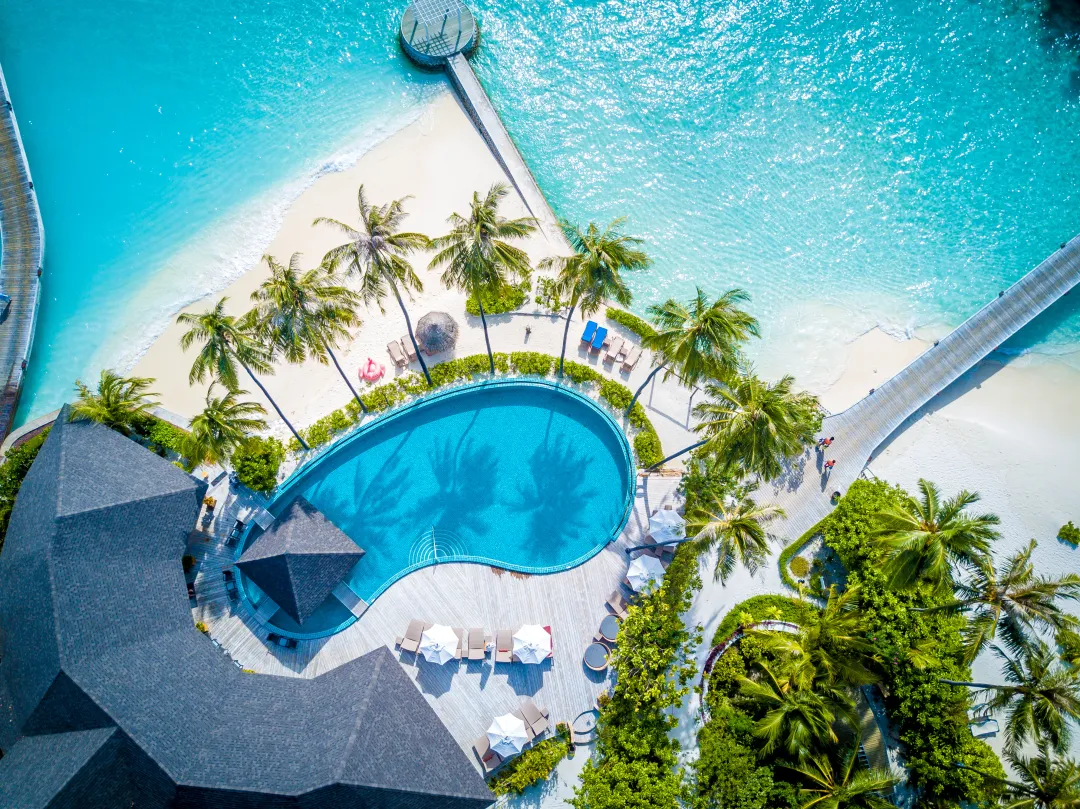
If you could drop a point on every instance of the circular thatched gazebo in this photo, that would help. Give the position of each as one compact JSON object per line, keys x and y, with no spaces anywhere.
{"x":436,"y":332}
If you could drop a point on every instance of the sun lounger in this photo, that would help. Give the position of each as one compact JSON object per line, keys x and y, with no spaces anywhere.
{"x":461,"y":642}
{"x":535,"y":718}
{"x":633,"y":354}
{"x":528,"y":730}
{"x":589,"y":333}
{"x":504,"y":646}
{"x":600,"y":340}
{"x":477,"y":644}
{"x":614,"y":349}
{"x":235,"y":533}
{"x":230,"y":585}
{"x":489,"y":759}
{"x":618,"y":604}
{"x":410,"y":352}
{"x":281,"y":640}
{"x":410,"y":642}
{"x":396,"y":354}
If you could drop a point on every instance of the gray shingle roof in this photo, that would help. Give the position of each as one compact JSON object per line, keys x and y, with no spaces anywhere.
{"x":107,"y":691}
{"x":299,"y":559}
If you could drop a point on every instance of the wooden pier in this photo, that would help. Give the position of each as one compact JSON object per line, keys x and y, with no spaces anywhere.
{"x":804,"y":492}
{"x":21,"y":260}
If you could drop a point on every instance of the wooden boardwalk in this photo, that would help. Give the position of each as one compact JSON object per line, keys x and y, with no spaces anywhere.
{"x":466,"y":696}
{"x":20,"y":265}
{"x":804,"y":492}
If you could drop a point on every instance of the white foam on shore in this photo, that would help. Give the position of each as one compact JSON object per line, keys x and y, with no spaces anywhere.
{"x":226,"y":249}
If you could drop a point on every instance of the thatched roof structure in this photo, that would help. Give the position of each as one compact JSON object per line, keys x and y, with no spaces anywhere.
{"x":436,"y":332}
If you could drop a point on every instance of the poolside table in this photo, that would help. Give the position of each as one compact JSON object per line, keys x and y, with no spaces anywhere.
{"x":596,"y":656}
{"x":609,"y":628}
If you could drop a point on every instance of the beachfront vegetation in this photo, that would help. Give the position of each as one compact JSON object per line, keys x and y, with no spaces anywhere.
{"x":226,"y":342}
{"x":1069,"y":533}
{"x":117,"y":402}
{"x":593,"y":274}
{"x":638,"y":326}
{"x":221,"y":427}
{"x":534,"y":764}
{"x":376,"y":253}
{"x":507,"y":298}
{"x":256,"y":461}
{"x":16,"y":464}
{"x":476,"y":255}
{"x":304,"y":315}
{"x":699,"y":340}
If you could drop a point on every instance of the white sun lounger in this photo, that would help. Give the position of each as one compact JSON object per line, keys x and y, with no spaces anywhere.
{"x":633,"y":354}
{"x":614,"y":349}
{"x":406,"y":343}
{"x":396,"y":354}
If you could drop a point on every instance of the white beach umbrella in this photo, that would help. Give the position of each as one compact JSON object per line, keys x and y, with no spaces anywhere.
{"x":438,"y":644}
{"x":667,"y":525}
{"x":507,"y":735}
{"x":532,"y":643}
{"x":644,"y":570}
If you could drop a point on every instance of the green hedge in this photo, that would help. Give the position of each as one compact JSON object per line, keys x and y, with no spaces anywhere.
{"x":508,"y":298}
{"x":256,"y":462}
{"x":632,"y":322}
{"x":533,"y":765}
{"x":760,"y":608}
{"x":12,"y":471}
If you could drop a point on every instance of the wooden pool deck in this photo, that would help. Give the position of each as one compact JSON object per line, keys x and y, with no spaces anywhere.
{"x":21,"y":261}
{"x":466,"y":696}
{"x":804,"y":491}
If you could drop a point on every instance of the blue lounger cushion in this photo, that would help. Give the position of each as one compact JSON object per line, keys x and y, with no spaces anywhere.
{"x":590,"y":330}
{"x":598,"y":341}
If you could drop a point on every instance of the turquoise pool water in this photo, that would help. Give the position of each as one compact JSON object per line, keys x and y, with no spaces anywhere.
{"x":525,"y":476}
{"x":901,"y":162}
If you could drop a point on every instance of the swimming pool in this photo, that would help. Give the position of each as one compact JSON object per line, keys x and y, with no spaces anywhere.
{"x":523,"y":475}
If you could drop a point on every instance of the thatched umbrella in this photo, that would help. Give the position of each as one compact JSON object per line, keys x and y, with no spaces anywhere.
{"x":436,"y":332}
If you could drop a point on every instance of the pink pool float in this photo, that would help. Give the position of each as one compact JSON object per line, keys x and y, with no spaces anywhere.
{"x":371,"y":370}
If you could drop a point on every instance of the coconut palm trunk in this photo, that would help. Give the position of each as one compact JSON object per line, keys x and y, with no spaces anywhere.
{"x":637,"y":393}
{"x":682,"y":451}
{"x":487,"y":342}
{"x":359,"y":401}
{"x":408,"y":325}
{"x":273,"y":404}
{"x":565,"y":335}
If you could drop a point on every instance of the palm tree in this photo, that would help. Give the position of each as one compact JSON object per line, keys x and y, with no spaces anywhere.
{"x":376,"y":254}
{"x":221,"y":426}
{"x":831,"y":640}
{"x":226,"y":343}
{"x":755,"y":425}
{"x":476,"y":254}
{"x":795,"y":716}
{"x":1017,"y":601}
{"x":735,"y":527}
{"x":1047,"y":782}
{"x":698,"y":340}
{"x":116,"y":403}
{"x":305,"y":314}
{"x":927,"y":538}
{"x":843,"y":786}
{"x":1040,"y":697}
{"x":593,"y":275}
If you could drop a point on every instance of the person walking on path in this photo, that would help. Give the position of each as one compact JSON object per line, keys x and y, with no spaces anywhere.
{"x":827,"y":442}
{"x":829,"y":465}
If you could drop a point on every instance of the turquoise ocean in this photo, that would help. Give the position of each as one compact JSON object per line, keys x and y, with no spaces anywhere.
{"x":897,"y":163}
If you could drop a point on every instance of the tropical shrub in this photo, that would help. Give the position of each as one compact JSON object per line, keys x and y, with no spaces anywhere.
{"x":167,"y":437}
{"x":12,"y":471}
{"x":726,"y":774}
{"x":1070,"y":533}
{"x":632,"y":322}
{"x":647,"y":448}
{"x":760,"y":608}
{"x":506,"y":299}
{"x":580,"y":374}
{"x":547,"y":295}
{"x":533,"y":765}
{"x":327,"y":428}
{"x":199,"y":625}
{"x":800,"y":567}
{"x":532,"y":363}
{"x":635,"y":758}
{"x":256,"y":462}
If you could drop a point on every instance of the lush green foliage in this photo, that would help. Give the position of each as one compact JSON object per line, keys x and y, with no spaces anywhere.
{"x":548,"y":294}
{"x":931,"y":715}
{"x":256,"y":462}
{"x":508,"y":298}
{"x":635,"y":762}
{"x":633,"y":322}
{"x":1069,"y":643}
{"x":16,"y":464}
{"x":532,"y":363}
{"x":788,"y":553}
{"x":1070,"y":533}
{"x":533,"y":765}
{"x":166,"y":436}
{"x":647,"y":448}
{"x":760,"y":608}
{"x":799,"y":567}
{"x":726,"y":773}
{"x":117,"y":402}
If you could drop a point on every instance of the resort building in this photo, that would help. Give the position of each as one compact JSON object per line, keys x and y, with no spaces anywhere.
{"x":110,"y":696}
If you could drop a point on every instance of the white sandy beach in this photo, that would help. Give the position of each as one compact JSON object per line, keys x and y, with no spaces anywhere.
{"x":1008,"y":431}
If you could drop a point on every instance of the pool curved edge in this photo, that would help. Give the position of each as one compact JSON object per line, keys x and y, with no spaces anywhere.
{"x":285,"y":491}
